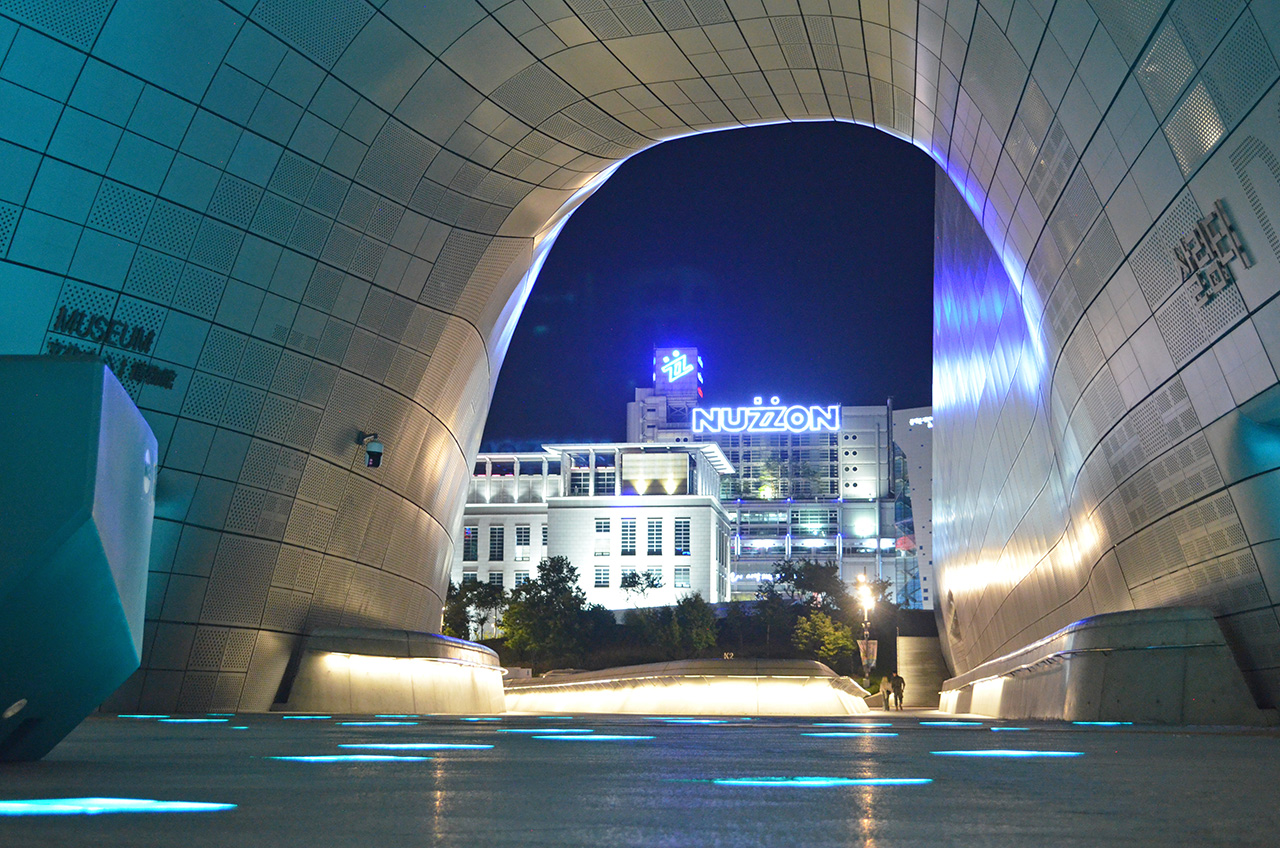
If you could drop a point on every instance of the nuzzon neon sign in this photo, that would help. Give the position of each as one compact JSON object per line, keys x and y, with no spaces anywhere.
{"x":771,"y":418}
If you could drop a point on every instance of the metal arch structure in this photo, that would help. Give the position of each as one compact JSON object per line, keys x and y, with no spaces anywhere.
{"x":285,"y":223}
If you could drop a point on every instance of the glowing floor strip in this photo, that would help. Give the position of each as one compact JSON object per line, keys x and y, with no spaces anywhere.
{"x":541,"y":730}
{"x":495,"y":718}
{"x":353,"y":758}
{"x":821,"y":782}
{"x":595,"y":737}
{"x":1007,"y":753}
{"x":998,"y":729}
{"x":395,"y":715}
{"x":376,"y":723}
{"x":193,"y":721}
{"x":414,"y":746}
{"x":853,"y":724}
{"x":142,"y":716}
{"x":849,"y":734}
{"x":1102,"y":723}
{"x":306,"y":717}
{"x":695,"y":720}
{"x":97,"y":806}
{"x":951,"y":724}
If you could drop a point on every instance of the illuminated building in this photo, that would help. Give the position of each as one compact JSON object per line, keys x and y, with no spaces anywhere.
{"x":609,"y":508}
{"x":813,"y":481}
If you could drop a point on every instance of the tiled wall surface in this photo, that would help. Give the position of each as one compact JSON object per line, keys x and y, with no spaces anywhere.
{"x":285,"y":223}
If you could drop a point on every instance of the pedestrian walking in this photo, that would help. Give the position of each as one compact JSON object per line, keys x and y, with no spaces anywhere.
{"x":896,"y":685}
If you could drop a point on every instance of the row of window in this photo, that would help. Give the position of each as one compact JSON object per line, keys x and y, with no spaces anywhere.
{"x":653,"y":536}
{"x":680,"y":577}
{"x":653,"y":539}
{"x":497,"y":542}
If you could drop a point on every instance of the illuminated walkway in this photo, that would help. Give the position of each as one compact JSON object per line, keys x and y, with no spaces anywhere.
{"x":634,"y":781}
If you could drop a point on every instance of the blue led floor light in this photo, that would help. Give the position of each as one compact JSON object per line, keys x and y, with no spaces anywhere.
{"x":98,"y":806}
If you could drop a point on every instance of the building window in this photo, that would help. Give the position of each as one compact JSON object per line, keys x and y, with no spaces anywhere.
{"x":682,"y":537}
{"x":682,"y":577}
{"x":470,"y":577}
{"x":522,"y":577}
{"x":656,"y":574}
{"x":579,"y":482}
{"x":628,"y":537}
{"x":522,"y":543}
{"x":602,"y":525}
{"x":495,"y":578}
{"x":544,"y":535}
{"x":602,"y":577}
{"x":655,"y":537}
{"x":496,"y":538}
{"x":470,"y":544}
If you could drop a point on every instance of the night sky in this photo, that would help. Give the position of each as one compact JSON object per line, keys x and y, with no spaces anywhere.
{"x":797,"y":259}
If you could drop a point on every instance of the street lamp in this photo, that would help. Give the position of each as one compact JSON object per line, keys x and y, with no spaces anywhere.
{"x":867,"y":601}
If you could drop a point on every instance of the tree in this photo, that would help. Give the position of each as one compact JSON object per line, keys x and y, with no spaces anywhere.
{"x":457,"y":618}
{"x":827,"y":641}
{"x":822,"y":581}
{"x":773,"y":610}
{"x":694,"y":625}
{"x":486,"y":603}
{"x":544,"y":616}
{"x":639,"y":584}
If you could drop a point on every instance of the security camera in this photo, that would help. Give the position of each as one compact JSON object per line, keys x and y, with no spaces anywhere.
{"x":372,"y":449}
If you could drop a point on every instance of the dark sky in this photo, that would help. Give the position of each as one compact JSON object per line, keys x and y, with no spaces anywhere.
{"x":797,"y":259}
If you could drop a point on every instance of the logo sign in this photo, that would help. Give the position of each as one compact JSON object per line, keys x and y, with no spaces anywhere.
{"x":773,"y":418}
{"x":676,"y":365}
{"x":1204,"y":255}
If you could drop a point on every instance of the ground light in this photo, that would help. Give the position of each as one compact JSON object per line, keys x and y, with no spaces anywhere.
{"x":821,"y":782}
{"x":1008,"y":753}
{"x":998,"y":729}
{"x":376,"y":723}
{"x":1102,"y":723}
{"x":414,"y":746}
{"x":353,"y":758}
{"x":142,"y":716}
{"x":853,"y":724}
{"x":193,"y":721}
{"x":559,"y":730}
{"x":305,"y":717}
{"x":951,"y":724}
{"x":595,"y":737}
{"x":849,"y":734}
{"x":98,"y":806}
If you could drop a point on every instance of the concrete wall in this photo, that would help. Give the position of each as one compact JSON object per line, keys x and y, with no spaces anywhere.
{"x":1169,"y":666}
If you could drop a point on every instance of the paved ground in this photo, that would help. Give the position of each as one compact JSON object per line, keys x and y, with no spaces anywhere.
{"x":1130,"y":785}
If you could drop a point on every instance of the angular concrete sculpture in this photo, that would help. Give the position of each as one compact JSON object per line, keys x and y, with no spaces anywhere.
{"x":77,"y":489}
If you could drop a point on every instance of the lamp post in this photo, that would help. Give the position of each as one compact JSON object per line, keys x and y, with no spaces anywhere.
{"x":867,"y":602}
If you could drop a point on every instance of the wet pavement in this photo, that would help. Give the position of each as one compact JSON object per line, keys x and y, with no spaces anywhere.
{"x":887,"y":779}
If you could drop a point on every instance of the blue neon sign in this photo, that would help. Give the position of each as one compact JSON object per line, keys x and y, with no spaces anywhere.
{"x":773,"y":418}
{"x":676,"y":365}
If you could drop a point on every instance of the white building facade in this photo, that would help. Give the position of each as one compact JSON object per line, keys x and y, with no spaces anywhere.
{"x":610,"y":509}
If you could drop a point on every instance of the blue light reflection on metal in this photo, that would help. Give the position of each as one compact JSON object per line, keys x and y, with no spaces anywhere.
{"x":1011,"y":754}
{"x":595,"y":737}
{"x":353,"y":758}
{"x":97,"y":806}
{"x":414,"y":746}
{"x":821,"y":782}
